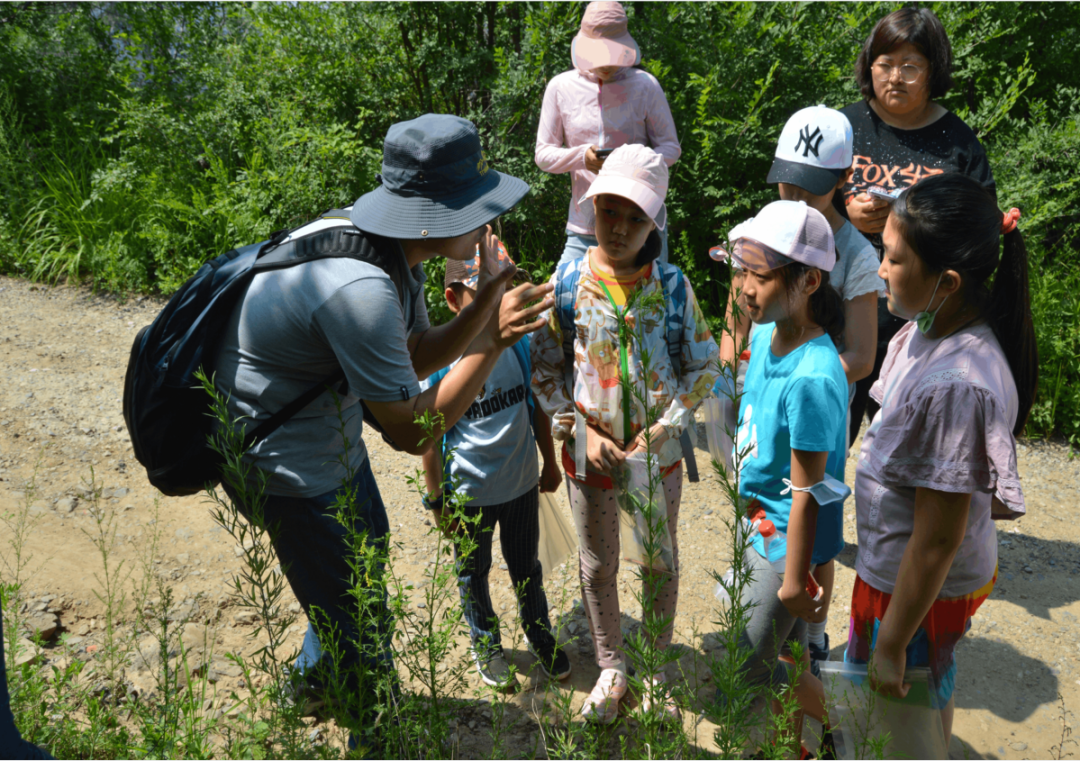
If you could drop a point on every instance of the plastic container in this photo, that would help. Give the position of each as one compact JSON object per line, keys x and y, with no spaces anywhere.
{"x":632,"y":487}
{"x":861,"y":718}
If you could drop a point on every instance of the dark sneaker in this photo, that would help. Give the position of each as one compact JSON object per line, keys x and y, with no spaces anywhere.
{"x":818,"y":655}
{"x":554,"y":662}
{"x":494,"y":669}
{"x":308,"y":694}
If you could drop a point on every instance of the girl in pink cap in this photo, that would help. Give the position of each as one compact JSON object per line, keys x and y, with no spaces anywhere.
{"x":791,"y":444}
{"x":600,"y":104}
{"x":578,"y":365}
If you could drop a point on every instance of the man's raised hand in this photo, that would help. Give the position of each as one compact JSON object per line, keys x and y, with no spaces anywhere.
{"x":491,"y":280}
{"x":514,"y":318}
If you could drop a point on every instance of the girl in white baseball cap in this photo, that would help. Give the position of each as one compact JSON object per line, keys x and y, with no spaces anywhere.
{"x":579,"y":381}
{"x":791,"y":443}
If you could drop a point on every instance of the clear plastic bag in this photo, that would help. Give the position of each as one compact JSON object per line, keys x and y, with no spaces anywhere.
{"x":558,"y":538}
{"x":862,"y":719}
{"x":632,"y":487}
{"x":719,"y":416}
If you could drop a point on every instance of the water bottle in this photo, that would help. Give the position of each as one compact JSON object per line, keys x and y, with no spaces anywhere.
{"x":769,"y":533}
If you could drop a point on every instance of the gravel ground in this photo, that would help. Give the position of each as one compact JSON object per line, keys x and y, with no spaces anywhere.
{"x":64,"y":354}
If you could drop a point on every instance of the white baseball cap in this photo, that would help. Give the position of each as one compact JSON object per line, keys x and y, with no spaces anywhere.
{"x":814,"y":150}
{"x":637,"y":173}
{"x":783,"y":232}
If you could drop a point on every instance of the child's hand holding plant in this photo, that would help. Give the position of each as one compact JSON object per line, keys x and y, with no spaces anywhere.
{"x":447,"y":523}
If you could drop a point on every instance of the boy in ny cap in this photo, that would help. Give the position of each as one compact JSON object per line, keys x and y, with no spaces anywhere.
{"x":813,"y":162}
{"x":494,"y":464}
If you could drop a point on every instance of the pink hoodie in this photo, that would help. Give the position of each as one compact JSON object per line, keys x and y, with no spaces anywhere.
{"x":579,"y":111}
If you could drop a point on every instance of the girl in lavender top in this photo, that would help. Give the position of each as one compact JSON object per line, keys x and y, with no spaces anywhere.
{"x":938,"y":463}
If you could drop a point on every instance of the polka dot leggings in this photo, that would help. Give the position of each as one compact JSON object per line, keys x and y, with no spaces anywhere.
{"x":596,"y":515}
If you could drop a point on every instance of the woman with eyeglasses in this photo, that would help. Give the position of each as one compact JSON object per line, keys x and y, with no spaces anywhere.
{"x":901,"y":135}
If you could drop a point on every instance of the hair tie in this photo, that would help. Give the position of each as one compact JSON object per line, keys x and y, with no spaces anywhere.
{"x":1009,"y":220}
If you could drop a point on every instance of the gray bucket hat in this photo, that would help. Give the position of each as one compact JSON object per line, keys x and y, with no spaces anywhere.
{"x":435,"y":182}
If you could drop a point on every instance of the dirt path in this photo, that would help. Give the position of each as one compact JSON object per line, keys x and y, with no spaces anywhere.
{"x":64,"y":352}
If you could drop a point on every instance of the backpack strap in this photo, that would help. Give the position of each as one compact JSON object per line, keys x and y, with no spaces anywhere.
{"x":521,"y":351}
{"x":567,"y":277}
{"x":674,"y":285}
{"x":276,"y":420}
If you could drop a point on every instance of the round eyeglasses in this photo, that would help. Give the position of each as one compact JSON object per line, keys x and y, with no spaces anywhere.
{"x":909,"y":72}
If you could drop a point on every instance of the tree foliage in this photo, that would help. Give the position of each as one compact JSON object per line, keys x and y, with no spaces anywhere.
{"x":138,"y":140}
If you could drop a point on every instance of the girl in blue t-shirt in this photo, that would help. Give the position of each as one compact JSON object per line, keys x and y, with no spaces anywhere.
{"x":790,"y":448}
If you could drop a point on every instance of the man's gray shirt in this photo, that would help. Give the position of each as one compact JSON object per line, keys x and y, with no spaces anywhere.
{"x":294,"y":327}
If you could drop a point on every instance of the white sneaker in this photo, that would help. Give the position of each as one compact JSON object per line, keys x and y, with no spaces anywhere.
{"x":602,"y":705}
{"x":665,"y":705}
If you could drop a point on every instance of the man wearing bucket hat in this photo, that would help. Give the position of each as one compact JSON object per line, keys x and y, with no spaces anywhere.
{"x":600,"y":104}
{"x":364,"y":313}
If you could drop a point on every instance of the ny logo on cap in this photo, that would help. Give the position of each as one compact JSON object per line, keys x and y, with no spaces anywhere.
{"x":807,"y":137}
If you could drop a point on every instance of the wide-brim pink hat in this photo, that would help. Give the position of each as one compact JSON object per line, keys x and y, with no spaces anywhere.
{"x":636,"y":173}
{"x":603,"y":39}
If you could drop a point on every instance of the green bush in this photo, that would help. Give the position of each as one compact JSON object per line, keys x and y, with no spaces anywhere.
{"x":138,"y":140}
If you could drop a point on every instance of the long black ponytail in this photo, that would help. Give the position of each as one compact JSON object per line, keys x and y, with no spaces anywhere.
{"x":953,"y":222}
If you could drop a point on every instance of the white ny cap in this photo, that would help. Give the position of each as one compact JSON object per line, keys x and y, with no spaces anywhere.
{"x":814,"y":150}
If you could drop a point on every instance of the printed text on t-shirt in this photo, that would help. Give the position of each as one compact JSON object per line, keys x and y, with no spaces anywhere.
{"x":499,"y":400}
{"x":867,"y":174}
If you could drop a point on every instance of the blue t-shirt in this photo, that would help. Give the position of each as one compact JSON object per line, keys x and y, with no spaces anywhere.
{"x":794,"y":402}
{"x":496,"y":449}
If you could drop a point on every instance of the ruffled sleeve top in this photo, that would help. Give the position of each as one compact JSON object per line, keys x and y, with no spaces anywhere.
{"x":948,"y":407}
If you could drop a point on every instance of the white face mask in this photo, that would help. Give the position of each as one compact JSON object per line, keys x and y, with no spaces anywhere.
{"x":825,"y":492}
{"x":925,"y":319}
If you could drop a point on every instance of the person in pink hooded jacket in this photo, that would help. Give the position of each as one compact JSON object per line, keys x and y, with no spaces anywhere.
{"x":598,"y":105}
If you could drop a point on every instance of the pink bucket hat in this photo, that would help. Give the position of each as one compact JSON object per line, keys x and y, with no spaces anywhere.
{"x":636,"y":173}
{"x":604,"y":39}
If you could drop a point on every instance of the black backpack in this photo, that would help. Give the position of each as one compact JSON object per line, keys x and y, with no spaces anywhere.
{"x":166,"y":410}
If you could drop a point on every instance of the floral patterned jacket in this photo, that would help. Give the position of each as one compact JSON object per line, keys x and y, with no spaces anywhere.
{"x":597,"y":389}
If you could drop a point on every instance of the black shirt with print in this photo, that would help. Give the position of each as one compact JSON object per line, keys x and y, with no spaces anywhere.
{"x":891,"y":158}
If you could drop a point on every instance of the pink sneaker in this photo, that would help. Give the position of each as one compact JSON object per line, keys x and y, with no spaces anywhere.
{"x":669,"y":711}
{"x":602,"y":705}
